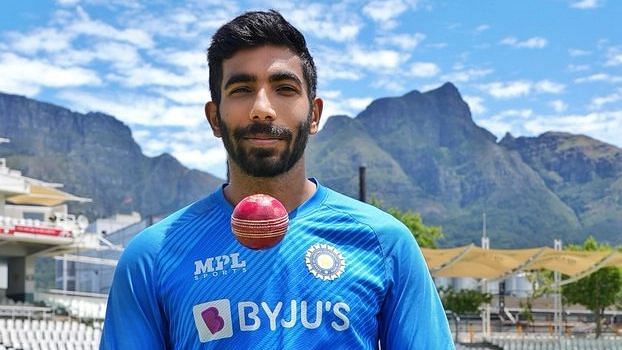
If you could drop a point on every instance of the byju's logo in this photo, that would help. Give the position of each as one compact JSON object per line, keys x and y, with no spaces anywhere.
{"x":219,"y":266}
{"x":213,"y":320}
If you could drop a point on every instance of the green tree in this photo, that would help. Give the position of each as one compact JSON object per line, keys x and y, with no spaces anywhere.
{"x":425,"y":235}
{"x":464,"y":301}
{"x":596,"y":291}
{"x":541,"y":281}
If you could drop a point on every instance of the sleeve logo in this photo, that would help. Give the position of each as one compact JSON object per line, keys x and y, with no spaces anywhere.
{"x":213,"y":320}
{"x":325,"y":262}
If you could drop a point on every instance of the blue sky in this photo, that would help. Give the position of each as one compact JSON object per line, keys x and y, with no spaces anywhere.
{"x":522,"y":66}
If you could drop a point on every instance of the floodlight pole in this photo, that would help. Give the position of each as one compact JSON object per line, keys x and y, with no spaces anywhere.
{"x":486,"y":311}
{"x":362,"y":183}
{"x":557,"y":300}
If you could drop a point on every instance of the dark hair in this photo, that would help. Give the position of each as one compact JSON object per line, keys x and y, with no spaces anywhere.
{"x":254,"y":29}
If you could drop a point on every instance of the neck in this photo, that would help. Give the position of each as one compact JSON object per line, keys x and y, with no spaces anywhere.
{"x":291,"y":188}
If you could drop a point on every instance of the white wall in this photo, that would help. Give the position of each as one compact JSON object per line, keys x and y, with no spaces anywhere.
{"x":4,"y":274}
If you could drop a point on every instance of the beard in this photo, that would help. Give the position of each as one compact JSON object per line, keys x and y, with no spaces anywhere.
{"x":265,"y":162}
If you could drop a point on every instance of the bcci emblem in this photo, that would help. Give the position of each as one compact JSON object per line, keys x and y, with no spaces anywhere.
{"x":325,"y":262}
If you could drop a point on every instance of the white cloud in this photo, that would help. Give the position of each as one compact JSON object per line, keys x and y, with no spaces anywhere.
{"x":506,"y":121}
{"x":476,"y":104}
{"x":358,"y":103}
{"x":424,"y":69}
{"x":68,"y":2}
{"x":599,"y":102}
{"x":482,"y":28}
{"x":605,"y":126}
{"x":389,"y":84}
{"x":196,"y":147}
{"x":548,"y":86}
{"x":604,"y":77}
{"x":438,"y":45}
{"x":454,"y":26}
{"x":522,"y":113}
{"x":585,"y":4}
{"x":40,"y":39}
{"x":614,"y":57}
{"x":183,"y":21}
{"x":377,"y":59}
{"x":190,"y":96}
{"x":324,"y":21}
{"x":329,"y":72}
{"x":531,"y":43}
{"x":578,"y":67}
{"x":212,"y":160}
{"x":463,"y":76}
{"x":510,"y":89}
{"x":578,"y":52}
{"x":334,"y":64}
{"x":29,"y":76}
{"x":137,"y":109}
{"x":558,"y":106}
{"x":336,"y":104}
{"x":385,"y":12}
{"x":403,"y":41}
{"x":121,"y":55}
{"x":330,"y":94}
{"x":497,"y":127}
{"x":19,"y":87}
{"x":84,"y":25}
{"x":195,"y":59}
{"x":186,"y":115}
{"x":150,"y":76}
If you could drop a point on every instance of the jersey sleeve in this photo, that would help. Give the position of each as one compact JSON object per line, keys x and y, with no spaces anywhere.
{"x":412,"y":316}
{"x":134,"y":319}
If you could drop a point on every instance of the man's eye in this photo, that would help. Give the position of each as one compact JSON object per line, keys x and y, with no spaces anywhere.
{"x":239,"y":90}
{"x":287,"y":89}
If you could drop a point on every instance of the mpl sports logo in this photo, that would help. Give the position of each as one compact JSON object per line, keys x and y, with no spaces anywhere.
{"x":219,"y":266}
{"x":213,"y":319}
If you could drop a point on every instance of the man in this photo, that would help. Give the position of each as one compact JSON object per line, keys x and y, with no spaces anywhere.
{"x":346,"y":275}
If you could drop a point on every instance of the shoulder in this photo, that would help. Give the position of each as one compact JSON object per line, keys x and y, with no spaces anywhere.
{"x":387,"y":228}
{"x":147,"y":244}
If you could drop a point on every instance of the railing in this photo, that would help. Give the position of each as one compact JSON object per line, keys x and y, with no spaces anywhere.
{"x":61,"y":228}
{"x":24,"y":311}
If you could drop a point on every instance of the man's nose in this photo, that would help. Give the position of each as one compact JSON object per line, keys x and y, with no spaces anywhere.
{"x":262,"y":108}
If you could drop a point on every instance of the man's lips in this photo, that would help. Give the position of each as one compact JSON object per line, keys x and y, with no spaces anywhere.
{"x":262,"y":140}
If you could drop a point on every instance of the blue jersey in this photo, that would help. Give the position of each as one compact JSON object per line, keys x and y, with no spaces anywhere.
{"x":346,"y":276}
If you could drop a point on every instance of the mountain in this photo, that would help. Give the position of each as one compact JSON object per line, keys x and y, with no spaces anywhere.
{"x":423,"y":152}
{"x":95,"y":156}
{"x":585,"y":173}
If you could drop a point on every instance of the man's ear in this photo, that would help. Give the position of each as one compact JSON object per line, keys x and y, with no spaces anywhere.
{"x":211,"y":114}
{"x":316,"y":115}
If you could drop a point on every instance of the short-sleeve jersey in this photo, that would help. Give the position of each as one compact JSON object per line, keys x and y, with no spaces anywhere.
{"x":345,"y":276}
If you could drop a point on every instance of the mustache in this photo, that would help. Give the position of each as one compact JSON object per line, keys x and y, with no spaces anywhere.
{"x":269,"y":130}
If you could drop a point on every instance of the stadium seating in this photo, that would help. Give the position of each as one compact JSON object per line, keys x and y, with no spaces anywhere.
{"x":48,"y":334}
{"x":546,"y":342}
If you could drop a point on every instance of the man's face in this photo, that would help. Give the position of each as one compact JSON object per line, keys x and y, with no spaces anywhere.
{"x":264,"y":117}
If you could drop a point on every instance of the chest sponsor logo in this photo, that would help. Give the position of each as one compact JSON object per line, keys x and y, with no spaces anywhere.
{"x":213,"y":319}
{"x":219,"y":266}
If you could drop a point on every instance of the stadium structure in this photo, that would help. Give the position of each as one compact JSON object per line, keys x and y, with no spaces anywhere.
{"x":35,"y":223}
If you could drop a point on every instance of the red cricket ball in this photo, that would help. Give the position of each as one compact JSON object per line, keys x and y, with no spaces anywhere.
{"x":259,"y":221}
